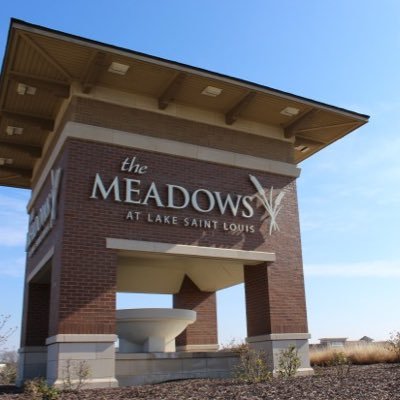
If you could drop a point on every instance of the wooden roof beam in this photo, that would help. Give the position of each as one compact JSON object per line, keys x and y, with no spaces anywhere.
{"x":32,"y":151}
{"x":327,"y":127}
{"x":233,"y":114}
{"x":171,"y":91}
{"x":47,"y":124}
{"x":46,"y":56}
{"x":58,"y":89}
{"x":94,"y":69}
{"x":308,"y":142}
{"x":18,"y":172}
{"x":307,"y":117}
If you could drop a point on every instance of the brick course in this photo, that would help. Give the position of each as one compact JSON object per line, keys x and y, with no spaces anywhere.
{"x":148,"y":123}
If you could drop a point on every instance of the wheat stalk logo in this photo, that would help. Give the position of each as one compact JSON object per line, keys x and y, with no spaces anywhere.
{"x":272,"y":205}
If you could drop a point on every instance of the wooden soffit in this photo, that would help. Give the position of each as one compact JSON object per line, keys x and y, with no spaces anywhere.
{"x":41,"y":64}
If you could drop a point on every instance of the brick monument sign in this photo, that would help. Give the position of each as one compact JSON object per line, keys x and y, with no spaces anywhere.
{"x":150,"y":176}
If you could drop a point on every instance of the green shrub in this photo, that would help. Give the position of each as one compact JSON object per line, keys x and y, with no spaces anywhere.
{"x":341,"y":363}
{"x":8,"y":374}
{"x":75,"y":375}
{"x":289,"y":362}
{"x":252,"y":366}
{"x":38,"y":389}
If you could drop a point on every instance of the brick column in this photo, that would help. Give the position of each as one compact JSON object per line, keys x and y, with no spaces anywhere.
{"x":37,"y":315}
{"x":35,"y":328}
{"x":82,"y":309}
{"x":276,"y":311}
{"x":201,"y":335}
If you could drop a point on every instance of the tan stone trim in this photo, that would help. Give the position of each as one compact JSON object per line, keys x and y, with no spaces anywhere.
{"x":248,"y":257}
{"x":166,"y":146}
{"x":174,"y":355}
{"x":278,"y":336}
{"x":301,"y":372}
{"x":41,"y":263}
{"x":198,"y":347}
{"x":80,"y":338}
{"x":92,"y":383}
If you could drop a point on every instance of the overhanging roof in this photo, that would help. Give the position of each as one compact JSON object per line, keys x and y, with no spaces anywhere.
{"x":50,"y":61}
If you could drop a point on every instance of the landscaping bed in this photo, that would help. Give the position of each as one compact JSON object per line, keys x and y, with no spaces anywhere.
{"x":368,"y":382}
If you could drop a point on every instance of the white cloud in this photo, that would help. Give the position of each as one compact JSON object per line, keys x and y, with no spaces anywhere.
{"x":12,"y":267}
{"x":378,"y":269}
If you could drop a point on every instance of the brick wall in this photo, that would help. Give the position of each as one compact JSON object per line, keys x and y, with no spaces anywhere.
{"x":98,"y":113}
{"x":83,"y":275}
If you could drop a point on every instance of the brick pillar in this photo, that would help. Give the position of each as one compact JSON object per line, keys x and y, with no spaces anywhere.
{"x":202,"y":335}
{"x":82,"y":317}
{"x":276,"y":310}
{"x":37,"y":315}
{"x":35,"y":328}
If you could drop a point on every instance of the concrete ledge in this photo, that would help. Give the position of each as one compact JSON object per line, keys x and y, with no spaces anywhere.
{"x":198,"y":347}
{"x":140,"y":368}
{"x":174,"y":355}
{"x":159,"y":378}
{"x":305,"y":372}
{"x":80,"y":338}
{"x":248,"y":257}
{"x":99,"y":383}
{"x":278,"y":336}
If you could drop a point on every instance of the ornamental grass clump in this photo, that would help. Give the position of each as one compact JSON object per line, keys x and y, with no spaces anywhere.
{"x":365,"y":354}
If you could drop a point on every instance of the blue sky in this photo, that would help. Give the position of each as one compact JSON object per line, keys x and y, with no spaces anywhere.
{"x":343,"y":52}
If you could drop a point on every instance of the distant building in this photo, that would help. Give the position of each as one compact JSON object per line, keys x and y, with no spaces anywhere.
{"x":337,"y":342}
{"x":366,"y":339}
{"x":333,"y":342}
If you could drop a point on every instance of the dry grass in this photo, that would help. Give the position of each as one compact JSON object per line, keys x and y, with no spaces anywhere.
{"x":357,"y":354}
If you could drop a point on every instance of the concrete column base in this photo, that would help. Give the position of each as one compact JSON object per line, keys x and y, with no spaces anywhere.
{"x":274,"y":343}
{"x":96,"y":351}
{"x":32,"y":363}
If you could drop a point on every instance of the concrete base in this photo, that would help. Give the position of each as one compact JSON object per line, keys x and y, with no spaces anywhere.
{"x":97,"y":352}
{"x":32,"y":363}
{"x":273,"y":344}
{"x":144,"y":368}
